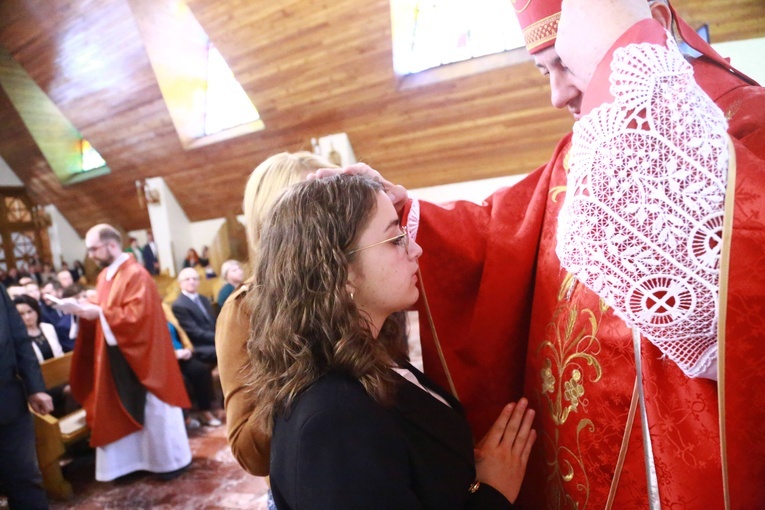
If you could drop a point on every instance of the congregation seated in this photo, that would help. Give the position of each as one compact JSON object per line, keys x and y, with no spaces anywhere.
{"x":46,"y":346}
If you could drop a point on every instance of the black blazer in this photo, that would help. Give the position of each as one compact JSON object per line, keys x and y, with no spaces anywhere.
{"x":338,"y":449}
{"x":19,"y":368}
{"x":200,"y":329}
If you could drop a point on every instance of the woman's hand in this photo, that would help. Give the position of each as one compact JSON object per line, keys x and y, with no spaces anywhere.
{"x":501,"y":456}
{"x":397,"y":193}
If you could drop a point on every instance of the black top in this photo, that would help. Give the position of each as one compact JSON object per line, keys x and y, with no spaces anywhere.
{"x":42,"y":343}
{"x":337,"y":448}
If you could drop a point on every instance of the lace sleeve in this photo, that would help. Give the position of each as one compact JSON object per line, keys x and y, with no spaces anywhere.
{"x":641,"y":224}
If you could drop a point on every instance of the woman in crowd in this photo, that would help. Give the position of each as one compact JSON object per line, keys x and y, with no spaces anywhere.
{"x":232,"y":273}
{"x":352,"y":424}
{"x":192,"y":258}
{"x":249,"y":444}
{"x":43,"y":335}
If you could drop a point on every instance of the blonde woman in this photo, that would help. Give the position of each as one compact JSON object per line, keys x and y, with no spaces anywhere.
{"x":249,"y":444}
{"x":232,"y":273}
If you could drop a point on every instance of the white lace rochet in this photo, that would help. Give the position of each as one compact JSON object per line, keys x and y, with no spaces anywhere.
{"x":641,"y":224}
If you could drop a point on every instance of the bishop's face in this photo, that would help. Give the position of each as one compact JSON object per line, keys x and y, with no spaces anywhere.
{"x":565,"y":88}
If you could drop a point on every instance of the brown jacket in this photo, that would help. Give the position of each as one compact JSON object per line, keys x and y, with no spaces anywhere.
{"x":250,"y":445}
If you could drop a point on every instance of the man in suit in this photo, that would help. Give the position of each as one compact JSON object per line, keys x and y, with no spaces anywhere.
{"x":150,"y":256}
{"x":21,"y":382}
{"x":196,"y":316}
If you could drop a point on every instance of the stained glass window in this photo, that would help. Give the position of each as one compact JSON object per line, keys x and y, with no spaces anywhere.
{"x":91,"y":159}
{"x":431,"y":33}
{"x":227,"y":103}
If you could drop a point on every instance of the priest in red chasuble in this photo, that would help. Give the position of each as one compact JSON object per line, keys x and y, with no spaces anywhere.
{"x":620,"y":287}
{"x":124,"y":371}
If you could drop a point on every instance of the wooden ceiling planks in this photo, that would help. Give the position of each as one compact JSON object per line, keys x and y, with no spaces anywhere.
{"x":312,"y":68}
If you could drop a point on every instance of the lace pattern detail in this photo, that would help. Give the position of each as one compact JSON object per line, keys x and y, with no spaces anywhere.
{"x":413,"y":219}
{"x":641,"y":224}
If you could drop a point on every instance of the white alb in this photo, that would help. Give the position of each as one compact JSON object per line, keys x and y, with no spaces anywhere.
{"x":641,"y":224}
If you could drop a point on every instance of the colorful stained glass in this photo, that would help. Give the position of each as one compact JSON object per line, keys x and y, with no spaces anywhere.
{"x":91,"y":159}
{"x":431,"y":33}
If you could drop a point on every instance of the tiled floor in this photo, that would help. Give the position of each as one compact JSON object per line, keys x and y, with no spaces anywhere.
{"x":213,"y":482}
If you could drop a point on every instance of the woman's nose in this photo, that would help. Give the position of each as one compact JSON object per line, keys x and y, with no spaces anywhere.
{"x":415,"y":250}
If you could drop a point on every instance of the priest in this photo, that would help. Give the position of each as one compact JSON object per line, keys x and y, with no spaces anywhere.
{"x":124,"y":371}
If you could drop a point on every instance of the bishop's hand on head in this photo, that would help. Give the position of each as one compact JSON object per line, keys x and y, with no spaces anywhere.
{"x":397,"y":193}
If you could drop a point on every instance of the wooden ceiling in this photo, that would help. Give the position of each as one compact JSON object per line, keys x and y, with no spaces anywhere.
{"x":312,"y":68}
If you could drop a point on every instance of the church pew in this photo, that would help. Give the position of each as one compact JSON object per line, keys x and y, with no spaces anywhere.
{"x":53,"y":435}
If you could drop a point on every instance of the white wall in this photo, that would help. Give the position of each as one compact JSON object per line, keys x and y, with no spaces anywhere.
{"x":170,"y":227}
{"x":746,"y":56}
{"x":472,"y":191}
{"x":7,"y":176}
{"x":202,"y":233}
{"x":65,"y":242}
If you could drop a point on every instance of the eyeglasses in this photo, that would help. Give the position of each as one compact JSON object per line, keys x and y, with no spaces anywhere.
{"x":400,"y":240}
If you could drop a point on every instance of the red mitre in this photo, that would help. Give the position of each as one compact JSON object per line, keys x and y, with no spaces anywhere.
{"x":539,"y":22}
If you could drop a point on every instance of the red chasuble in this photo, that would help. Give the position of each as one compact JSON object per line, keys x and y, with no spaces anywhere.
{"x":132,"y":307}
{"x":511,"y":322}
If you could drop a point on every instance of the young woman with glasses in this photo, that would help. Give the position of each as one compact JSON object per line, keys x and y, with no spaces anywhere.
{"x":352,"y":424}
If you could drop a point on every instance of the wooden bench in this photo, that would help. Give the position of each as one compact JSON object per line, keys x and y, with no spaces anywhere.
{"x":54,"y":435}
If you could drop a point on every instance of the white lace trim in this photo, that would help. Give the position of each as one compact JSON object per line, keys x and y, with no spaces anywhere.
{"x":641,"y":224}
{"x":413,"y":220}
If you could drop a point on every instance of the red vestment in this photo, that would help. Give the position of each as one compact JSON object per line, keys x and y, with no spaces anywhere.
{"x":132,"y":308}
{"x":512,"y":322}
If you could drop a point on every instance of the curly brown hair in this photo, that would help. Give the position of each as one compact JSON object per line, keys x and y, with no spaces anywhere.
{"x":304,"y":322}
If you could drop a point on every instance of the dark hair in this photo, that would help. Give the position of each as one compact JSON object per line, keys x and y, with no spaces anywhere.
{"x":73,"y":290}
{"x":53,"y":281}
{"x":33,"y":304}
{"x":304,"y":322}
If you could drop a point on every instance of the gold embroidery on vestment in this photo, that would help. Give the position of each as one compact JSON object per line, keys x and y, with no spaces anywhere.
{"x":564,"y":466}
{"x":570,"y":363}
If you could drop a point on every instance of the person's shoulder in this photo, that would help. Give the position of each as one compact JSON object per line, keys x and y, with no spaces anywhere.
{"x":134,"y":268}
{"x":336,"y":391}
{"x":47,"y":328}
{"x":181,"y":300}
